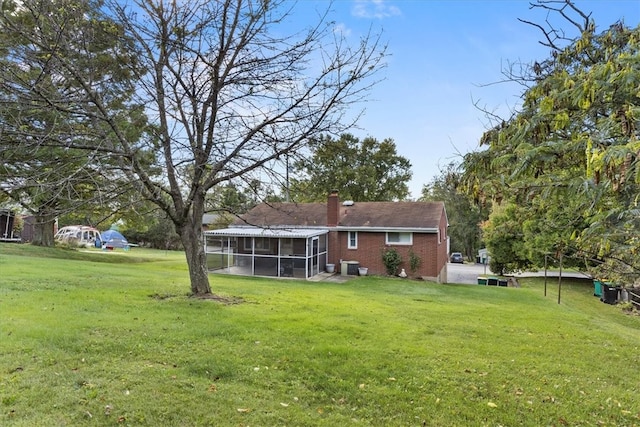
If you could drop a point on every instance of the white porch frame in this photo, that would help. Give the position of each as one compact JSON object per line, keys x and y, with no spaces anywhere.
{"x":230,"y":250}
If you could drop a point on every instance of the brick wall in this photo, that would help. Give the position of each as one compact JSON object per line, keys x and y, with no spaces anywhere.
{"x":432,"y":254}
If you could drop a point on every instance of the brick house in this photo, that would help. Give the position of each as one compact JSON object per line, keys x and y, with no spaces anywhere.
{"x":301,"y":239}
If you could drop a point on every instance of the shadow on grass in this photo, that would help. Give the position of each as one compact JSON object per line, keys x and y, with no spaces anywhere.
{"x":80,"y":254}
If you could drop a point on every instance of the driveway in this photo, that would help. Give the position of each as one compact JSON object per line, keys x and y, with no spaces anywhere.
{"x":468,"y":273}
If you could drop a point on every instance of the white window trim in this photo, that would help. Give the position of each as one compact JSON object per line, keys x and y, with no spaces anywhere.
{"x":349,"y":246}
{"x":409,"y":243}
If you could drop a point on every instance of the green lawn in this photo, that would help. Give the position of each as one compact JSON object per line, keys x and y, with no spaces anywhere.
{"x":93,"y":338}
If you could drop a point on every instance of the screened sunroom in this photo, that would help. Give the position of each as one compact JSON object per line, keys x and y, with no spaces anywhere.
{"x":249,"y":251}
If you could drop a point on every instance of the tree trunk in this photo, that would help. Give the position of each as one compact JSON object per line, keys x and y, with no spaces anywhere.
{"x":43,"y":229}
{"x":191,"y":235}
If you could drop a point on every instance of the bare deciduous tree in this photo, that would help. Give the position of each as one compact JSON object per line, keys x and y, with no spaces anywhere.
{"x":226,"y":94}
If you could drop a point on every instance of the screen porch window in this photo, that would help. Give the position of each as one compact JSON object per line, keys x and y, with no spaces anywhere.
{"x":262,"y":244}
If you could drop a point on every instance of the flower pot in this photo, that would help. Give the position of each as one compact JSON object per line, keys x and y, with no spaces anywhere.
{"x":362,"y":271}
{"x":330,"y":268}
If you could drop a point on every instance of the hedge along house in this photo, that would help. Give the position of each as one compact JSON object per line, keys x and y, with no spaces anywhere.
{"x":300,"y":239}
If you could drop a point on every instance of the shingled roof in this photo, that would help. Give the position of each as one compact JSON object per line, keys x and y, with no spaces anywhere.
{"x":375,"y":215}
{"x":413,"y":215}
{"x":285,"y":215}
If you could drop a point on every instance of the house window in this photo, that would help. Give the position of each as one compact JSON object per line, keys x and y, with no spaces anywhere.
{"x":397,"y":238}
{"x":353,"y":240}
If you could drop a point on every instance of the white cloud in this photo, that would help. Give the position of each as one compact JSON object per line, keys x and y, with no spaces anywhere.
{"x":342,"y":29}
{"x":378,"y":9}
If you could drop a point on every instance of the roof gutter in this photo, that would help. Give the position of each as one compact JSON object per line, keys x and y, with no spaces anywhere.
{"x":387,"y":229}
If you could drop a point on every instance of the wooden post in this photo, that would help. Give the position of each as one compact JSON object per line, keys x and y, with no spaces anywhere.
{"x":545,"y":275}
{"x":560,"y":278}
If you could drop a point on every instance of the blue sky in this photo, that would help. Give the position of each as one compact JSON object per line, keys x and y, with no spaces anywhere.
{"x":444,"y":55}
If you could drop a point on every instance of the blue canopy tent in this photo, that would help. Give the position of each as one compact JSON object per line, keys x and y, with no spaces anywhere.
{"x":112,"y":239}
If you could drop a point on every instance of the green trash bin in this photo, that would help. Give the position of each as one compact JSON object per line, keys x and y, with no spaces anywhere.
{"x":597,"y":288}
{"x":482,"y":280}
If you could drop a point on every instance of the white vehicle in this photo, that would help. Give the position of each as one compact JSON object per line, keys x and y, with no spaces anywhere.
{"x":80,"y":235}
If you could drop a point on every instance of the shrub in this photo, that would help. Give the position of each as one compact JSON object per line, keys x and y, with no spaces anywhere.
{"x":392,"y":260}
{"x":414,"y":261}
{"x":70,"y":244}
{"x":626,"y":307}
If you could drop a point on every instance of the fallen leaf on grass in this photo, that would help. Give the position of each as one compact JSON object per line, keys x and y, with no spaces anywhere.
{"x":284,"y":405}
{"x":361,"y":386}
{"x":244,"y":410}
{"x":492,"y":405}
{"x":213,"y":388}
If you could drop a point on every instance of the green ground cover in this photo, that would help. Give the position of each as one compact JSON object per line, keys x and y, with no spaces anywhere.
{"x":93,"y":338}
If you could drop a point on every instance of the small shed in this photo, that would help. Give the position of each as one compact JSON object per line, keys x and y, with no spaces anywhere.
{"x":7,"y":219}
{"x":483,"y":256}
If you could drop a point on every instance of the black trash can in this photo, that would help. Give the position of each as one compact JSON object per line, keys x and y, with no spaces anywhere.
{"x":610,"y":294}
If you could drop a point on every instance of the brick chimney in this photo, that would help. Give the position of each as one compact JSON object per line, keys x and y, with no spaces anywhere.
{"x":333,"y":206}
